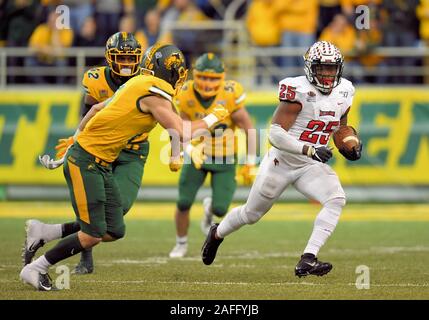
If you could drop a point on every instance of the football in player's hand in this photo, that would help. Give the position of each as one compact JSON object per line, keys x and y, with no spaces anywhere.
{"x":346,"y":138}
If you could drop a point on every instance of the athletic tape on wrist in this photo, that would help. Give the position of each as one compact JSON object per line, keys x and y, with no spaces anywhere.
{"x":210,"y":120}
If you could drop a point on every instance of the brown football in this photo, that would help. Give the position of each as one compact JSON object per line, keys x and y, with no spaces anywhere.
{"x":346,"y":138}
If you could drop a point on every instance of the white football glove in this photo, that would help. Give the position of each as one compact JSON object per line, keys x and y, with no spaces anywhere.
{"x":49,"y":163}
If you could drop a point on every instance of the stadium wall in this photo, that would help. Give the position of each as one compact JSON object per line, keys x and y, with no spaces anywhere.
{"x":392,"y":122}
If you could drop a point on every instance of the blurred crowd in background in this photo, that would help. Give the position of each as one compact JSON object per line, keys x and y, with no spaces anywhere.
{"x":269,"y":23}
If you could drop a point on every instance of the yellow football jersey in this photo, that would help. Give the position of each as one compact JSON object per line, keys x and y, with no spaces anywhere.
{"x":98,"y":83}
{"x":109,"y":131}
{"x":231,"y":96}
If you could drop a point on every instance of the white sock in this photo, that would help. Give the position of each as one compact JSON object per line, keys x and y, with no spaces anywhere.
{"x":324,"y":225}
{"x":181,"y":240}
{"x":52,"y":231}
{"x":232,"y":222}
{"x":209,"y":210}
{"x":41,"y":264}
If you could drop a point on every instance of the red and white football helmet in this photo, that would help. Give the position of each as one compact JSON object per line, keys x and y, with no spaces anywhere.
{"x":323,"y":66}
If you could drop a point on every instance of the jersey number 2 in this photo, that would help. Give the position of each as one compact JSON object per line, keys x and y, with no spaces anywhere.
{"x":94,"y":74}
{"x":320,"y":131}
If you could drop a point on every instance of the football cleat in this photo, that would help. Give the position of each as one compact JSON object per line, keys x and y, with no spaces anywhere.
{"x":310,"y":265}
{"x":40,"y":281}
{"x":83,"y":268}
{"x":210,"y":246}
{"x":86,"y":263}
{"x":33,"y":240}
{"x":207,"y":220}
{"x":179,"y":250}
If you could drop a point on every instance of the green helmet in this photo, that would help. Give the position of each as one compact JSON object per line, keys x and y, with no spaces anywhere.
{"x":209,"y":73}
{"x":165,"y":62}
{"x":210,"y":63}
{"x":123,"y":54}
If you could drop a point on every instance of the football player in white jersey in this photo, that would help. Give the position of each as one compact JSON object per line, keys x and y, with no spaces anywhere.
{"x":311,"y":107}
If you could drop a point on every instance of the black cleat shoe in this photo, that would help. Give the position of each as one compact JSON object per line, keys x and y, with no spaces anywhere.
{"x":45,"y":283}
{"x":83,"y":268}
{"x":210,"y":246}
{"x":310,"y":265}
{"x":86,"y":263}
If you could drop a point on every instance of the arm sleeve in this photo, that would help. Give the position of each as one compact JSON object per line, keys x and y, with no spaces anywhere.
{"x":281,"y":140}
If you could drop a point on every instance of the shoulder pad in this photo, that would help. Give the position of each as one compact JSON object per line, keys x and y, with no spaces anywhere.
{"x":160,"y":87}
{"x":347,"y":89}
{"x":291,"y":89}
{"x":347,"y":85}
{"x":90,"y":77}
{"x":236,"y":89}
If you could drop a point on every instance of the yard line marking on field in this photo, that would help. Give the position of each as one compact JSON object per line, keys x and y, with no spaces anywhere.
{"x":151,"y":260}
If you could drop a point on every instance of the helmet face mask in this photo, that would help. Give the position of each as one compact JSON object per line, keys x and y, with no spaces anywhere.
{"x":325,"y":76}
{"x":183,"y":75}
{"x":207,"y":85}
{"x":123,"y":54}
{"x":323,"y":66}
{"x":209,"y":73}
{"x":165,"y":62}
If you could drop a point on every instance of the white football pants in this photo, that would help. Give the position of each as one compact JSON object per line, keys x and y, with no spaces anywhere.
{"x":317,"y":181}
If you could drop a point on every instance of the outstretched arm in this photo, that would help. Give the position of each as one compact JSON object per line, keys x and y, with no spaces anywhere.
{"x":162,"y":111}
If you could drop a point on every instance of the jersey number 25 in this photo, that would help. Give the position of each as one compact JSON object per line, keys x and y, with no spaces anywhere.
{"x":287,"y":92}
{"x":320,"y":131}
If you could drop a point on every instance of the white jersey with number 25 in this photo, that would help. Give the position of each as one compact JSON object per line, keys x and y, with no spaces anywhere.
{"x":320,"y":114}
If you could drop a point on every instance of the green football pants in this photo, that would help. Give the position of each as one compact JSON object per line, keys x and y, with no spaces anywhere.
{"x":94,"y":194}
{"x":223,"y":185}
{"x":128,"y":171}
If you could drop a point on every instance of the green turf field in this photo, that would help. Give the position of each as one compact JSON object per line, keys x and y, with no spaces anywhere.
{"x":256,"y":262}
